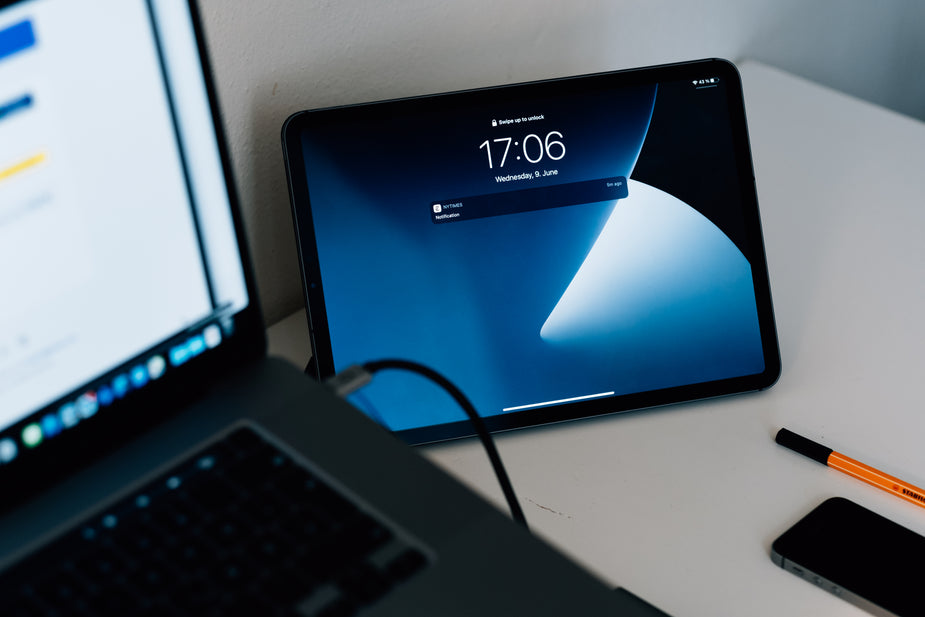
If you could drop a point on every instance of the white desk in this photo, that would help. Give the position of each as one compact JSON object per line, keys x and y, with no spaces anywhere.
{"x":681,"y":504}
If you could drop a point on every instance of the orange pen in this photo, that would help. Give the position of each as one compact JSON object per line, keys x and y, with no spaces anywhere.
{"x":837,"y":460}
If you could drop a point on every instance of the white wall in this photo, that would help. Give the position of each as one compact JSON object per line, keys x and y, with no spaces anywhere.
{"x":275,"y":57}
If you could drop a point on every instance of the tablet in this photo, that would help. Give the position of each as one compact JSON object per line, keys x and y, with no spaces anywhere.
{"x":558,"y":249}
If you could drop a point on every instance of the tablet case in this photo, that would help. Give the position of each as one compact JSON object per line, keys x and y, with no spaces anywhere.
{"x":559,"y":249}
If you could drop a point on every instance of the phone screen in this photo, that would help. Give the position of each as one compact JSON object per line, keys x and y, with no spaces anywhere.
{"x":858,"y":555}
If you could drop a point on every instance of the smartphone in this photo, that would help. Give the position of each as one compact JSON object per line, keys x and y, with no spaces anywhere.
{"x":857,"y":555}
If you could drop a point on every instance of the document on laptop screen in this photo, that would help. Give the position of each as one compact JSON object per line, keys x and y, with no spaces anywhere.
{"x":102,"y":253}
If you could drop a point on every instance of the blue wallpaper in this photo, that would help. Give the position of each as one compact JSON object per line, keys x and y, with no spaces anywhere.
{"x":613,"y":296}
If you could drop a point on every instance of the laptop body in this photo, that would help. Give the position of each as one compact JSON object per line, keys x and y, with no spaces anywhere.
{"x":132,"y":336}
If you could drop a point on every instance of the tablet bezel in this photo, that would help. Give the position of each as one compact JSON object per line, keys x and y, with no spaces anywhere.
{"x":322,"y":365}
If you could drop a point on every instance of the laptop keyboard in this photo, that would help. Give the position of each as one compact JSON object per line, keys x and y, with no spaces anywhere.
{"x":237,"y":529}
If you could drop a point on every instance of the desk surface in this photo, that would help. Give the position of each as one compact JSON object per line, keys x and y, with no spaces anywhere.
{"x":681,"y":504}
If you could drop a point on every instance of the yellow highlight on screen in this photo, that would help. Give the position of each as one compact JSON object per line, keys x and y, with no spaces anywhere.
{"x":32,"y":161}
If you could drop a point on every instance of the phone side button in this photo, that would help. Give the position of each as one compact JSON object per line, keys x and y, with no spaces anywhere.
{"x":826,"y":584}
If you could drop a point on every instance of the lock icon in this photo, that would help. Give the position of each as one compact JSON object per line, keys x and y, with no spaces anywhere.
{"x":494,"y":123}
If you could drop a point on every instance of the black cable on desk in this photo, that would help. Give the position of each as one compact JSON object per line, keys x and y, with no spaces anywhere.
{"x":356,"y":377}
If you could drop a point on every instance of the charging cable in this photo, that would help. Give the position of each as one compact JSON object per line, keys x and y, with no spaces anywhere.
{"x":355,"y":377}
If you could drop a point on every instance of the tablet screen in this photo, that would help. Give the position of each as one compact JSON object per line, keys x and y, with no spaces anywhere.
{"x":557,"y":249}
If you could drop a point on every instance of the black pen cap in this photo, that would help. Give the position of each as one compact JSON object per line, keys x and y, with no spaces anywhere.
{"x":804,"y":446}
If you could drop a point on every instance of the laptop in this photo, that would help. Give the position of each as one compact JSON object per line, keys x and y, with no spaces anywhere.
{"x":153,"y":460}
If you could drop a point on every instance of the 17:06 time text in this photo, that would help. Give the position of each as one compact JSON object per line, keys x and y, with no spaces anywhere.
{"x":532,"y":148}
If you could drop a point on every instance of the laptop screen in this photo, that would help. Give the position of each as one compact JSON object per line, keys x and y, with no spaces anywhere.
{"x":119,"y":260}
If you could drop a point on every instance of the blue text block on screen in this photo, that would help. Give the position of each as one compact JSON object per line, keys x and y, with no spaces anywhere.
{"x":16,"y":38}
